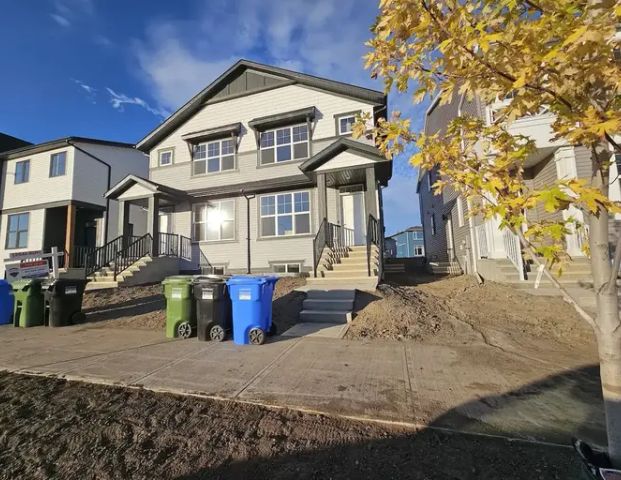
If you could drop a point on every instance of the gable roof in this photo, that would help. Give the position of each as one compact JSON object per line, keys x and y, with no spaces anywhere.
{"x":58,"y":143}
{"x":131,"y":180}
{"x":416,"y":228}
{"x":289,"y":76}
{"x":9,"y":142}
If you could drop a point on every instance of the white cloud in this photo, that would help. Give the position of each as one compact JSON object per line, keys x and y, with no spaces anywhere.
{"x":66,"y":11}
{"x":62,"y":21}
{"x":102,"y":41}
{"x":84,"y":86}
{"x":119,"y":100}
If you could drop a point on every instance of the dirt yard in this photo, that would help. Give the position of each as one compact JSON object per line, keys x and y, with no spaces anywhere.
{"x":144,"y":306}
{"x":457,"y":310}
{"x":57,"y":429}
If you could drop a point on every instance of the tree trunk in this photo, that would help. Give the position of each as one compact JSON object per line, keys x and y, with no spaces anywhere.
{"x":608,"y":331}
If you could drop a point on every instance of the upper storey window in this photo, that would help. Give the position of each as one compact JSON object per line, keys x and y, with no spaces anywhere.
{"x":284,"y":144}
{"x":213,"y":157}
{"x":346,"y":124}
{"x":58,"y":164}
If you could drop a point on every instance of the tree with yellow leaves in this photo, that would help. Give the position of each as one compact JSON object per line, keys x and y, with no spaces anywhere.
{"x":561,"y":55}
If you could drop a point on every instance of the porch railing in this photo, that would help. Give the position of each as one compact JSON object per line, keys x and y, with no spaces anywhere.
{"x":333,"y":237}
{"x":132,"y":253}
{"x":168,"y":245}
{"x":185,"y":248}
{"x":349,"y":238}
{"x":79,"y":255}
{"x":374,"y":237}
{"x":513,"y":251}
{"x":482,"y":241}
{"x":103,"y":256}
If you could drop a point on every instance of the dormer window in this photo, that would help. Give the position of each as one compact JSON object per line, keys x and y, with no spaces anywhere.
{"x":284,"y":144}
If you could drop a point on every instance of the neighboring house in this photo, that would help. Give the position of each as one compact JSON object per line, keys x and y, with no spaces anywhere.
{"x":259,"y":171}
{"x":409,"y":243}
{"x":8,"y":142}
{"x":455,"y":241}
{"x":52,"y":195}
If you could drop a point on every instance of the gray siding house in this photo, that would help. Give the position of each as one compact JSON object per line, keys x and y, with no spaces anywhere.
{"x":259,"y":172}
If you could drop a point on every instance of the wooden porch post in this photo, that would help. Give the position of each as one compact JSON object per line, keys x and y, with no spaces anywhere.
{"x":70,"y":233}
{"x":323,"y":199}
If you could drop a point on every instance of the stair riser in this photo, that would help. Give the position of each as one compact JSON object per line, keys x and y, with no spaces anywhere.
{"x":324,"y":317}
{"x":344,"y":295}
{"x":326,"y":305}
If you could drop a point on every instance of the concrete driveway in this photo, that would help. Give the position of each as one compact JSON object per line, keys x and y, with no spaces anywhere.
{"x":474,"y":388}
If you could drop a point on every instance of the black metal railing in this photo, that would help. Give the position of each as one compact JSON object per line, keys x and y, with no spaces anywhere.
{"x":185,"y":248}
{"x":168,"y":245}
{"x":136,"y":250}
{"x":104,"y":255}
{"x":79,"y":255}
{"x":331,"y":236}
{"x":373,"y":238}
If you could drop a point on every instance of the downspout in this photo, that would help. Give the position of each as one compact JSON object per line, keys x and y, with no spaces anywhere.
{"x":473,"y":249}
{"x":248,"y":256}
{"x":107,"y":214}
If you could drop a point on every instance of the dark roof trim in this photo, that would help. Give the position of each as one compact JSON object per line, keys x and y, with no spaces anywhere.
{"x":211,"y":133}
{"x":197,"y":101}
{"x":279,"y":119}
{"x":263,"y":186}
{"x":339,"y":146}
{"x":150,"y":185}
{"x":9,"y":142}
{"x":60,"y":203}
{"x":59,"y":143}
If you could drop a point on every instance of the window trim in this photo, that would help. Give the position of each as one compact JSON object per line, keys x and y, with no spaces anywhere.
{"x":207,"y":157}
{"x":207,"y":205}
{"x":286,"y":265}
{"x":337,"y":122}
{"x":460,"y":212}
{"x":432,"y":223}
{"x":27,"y":179}
{"x":293,"y":213}
{"x":422,"y":250}
{"x":64,"y":164}
{"x":274,"y":147}
{"x":18,"y":234}
{"x":429,"y":182}
{"x":172,"y":156}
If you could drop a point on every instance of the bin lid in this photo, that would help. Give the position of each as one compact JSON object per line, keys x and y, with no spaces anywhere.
{"x":177,"y":280}
{"x":211,"y":278}
{"x":246,"y":280}
{"x":25,"y":282}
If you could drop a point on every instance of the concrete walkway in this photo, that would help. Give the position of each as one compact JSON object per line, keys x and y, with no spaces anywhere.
{"x":469,"y":388}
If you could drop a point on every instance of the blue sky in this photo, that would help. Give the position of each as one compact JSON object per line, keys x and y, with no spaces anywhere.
{"x":115,"y":69}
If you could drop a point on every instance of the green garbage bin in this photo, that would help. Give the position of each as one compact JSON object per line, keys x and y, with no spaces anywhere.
{"x":29,"y":306}
{"x":180,"y":317}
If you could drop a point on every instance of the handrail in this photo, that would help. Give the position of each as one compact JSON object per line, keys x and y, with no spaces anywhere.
{"x":102,"y":256}
{"x":513,"y":251}
{"x":132,"y":253}
{"x":373,"y":238}
{"x":168,"y":244}
{"x":319,"y":243}
{"x":185,"y":248}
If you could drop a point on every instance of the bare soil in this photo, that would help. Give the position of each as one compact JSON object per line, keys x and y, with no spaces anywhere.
{"x":52,"y":428}
{"x":456,"y":310}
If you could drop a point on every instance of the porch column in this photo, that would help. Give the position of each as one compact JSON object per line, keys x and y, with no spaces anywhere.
{"x":370,"y":195}
{"x":566,"y":167}
{"x":123,"y":217}
{"x":323,"y":199}
{"x":153,"y":222}
{"x":70,"y":232}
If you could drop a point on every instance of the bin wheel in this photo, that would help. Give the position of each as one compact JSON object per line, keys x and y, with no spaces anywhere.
{"x":78,"y":317}
{"x":256,"y":336}
{"x":217,"y":333}
{"x":184,"y":330}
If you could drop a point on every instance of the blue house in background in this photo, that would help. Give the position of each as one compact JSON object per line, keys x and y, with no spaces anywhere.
{"x":406,"y":244}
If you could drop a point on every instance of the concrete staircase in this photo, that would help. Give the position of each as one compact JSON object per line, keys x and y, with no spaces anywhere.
{"x":575,"y":274}
{"x":328,"y":306}
{"x":444,"y":268}
{"x":104,"y":278}
{"x":348,"y":272}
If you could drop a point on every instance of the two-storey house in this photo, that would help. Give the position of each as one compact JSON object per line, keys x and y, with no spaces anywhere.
{"x":52,"y":195}
{"x":259,"y":172}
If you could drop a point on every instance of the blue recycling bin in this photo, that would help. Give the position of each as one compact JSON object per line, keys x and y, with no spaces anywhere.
{"x":251,"y":299}
{"x":6,"y":302}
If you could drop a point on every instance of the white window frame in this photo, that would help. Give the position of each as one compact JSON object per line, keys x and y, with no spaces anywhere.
{"x":343,"y":117}
{"x":214,"y":269}
{"x":162,"y":152}
{"x":219,"y":156}
{"x":432,"y":223}
{"x":287,"y":265}
{"x":202,"y":210}
{"x":274,"y":144}
{"x":460,"y":212}
{"x":55,"y":156}
{"x":293,"y":214}
{"x":419,"y":248}
{"x":19,"y":234}
{"x":26,"y":178}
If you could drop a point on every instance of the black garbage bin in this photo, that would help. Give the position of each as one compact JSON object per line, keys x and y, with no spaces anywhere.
{"x":63,"y":302}
{"x":213,"y":308}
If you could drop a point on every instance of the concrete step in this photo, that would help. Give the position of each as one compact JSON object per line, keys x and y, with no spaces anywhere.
{"x":356,"y":283}
{"x":322,"y":316}
{"x":100,"y":285}
{"x":358,"y":272}
{"x":348,"y":295}
{"x":328,"y":305}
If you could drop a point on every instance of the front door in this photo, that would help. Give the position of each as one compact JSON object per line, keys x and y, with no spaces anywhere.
{"x":352,"y":211}
{"x":167,"y":242}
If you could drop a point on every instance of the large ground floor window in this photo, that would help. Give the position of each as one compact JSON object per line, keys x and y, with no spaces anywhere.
{"x":285,"y":214}
{"x":214,"y":221}
{"x":17,"y":231}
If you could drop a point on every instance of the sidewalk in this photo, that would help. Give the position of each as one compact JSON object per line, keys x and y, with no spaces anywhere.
{"x":471,"y":388}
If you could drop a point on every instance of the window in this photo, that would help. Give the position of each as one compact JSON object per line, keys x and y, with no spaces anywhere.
{"x":429,"y":180}
{"x":213,"y":157}
{"x":17,"y":233}
{"x":345,"y":124}
{"x":218,"y":270}
{"x":22,"y":171}
{"x":286,"y":268}
{"x":285,"y":214}
{"x":284,"y":144}
{"x":418,"y":251}
{"x":432,"y":221}
{"x":57,"y":164}
{"x":214,"y":221}
{"x":165,"y":157}
{"x":460,"y":212}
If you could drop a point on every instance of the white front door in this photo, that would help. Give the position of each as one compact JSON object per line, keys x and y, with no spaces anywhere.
{"x":352,"y":210}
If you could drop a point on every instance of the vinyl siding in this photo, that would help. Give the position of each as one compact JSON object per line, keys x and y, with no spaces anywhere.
{"x":544,"y":174}
{"x":435,"y":245}
{"x":244,"y":109}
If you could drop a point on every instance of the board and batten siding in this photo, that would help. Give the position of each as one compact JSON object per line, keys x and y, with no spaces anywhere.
{"x":279,"y":100}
